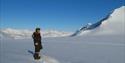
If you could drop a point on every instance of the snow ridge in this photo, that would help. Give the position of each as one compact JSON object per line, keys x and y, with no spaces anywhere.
{"x":113,"y":23}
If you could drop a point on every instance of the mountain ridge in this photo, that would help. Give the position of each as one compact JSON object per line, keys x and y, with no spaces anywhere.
{"x":117,"y":13}
{"x":113,"y":23}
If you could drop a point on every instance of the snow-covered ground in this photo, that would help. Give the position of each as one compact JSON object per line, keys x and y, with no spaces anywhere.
{"x":83,"y":49}
{"x":104,"y":44}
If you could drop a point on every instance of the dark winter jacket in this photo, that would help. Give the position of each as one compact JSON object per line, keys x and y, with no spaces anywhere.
{"x":37,"y":39}
{"x":36,"y":36}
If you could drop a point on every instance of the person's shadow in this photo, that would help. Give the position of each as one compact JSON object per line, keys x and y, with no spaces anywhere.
{"x":31,"y":52}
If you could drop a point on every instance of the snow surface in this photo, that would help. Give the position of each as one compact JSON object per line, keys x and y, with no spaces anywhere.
{"x":105,"y":44}
{"x":82,"y":49}
{"x":113,"y":24}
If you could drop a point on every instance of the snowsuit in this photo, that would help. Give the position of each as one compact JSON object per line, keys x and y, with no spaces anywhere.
{"x":37,"y":41}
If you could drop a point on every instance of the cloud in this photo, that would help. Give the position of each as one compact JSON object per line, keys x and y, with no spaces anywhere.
{"x":24,"y":33}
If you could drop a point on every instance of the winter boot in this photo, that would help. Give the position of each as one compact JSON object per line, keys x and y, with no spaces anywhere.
{"x":36,"y":56}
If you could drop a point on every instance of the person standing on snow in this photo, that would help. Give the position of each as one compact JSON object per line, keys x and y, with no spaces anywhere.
{"x":37,"y":43}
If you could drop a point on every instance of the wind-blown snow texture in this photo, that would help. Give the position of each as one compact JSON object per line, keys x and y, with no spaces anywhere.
{"x":104,"y":44}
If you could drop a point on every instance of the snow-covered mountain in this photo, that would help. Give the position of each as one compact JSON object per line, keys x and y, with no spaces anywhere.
{"x":113,"y":23}
{"x":24,"y":33}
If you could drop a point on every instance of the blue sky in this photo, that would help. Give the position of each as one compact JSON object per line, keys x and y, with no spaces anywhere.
{"x":64,"y":15}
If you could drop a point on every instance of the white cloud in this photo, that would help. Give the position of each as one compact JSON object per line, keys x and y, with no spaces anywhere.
{"x":23,"y":33}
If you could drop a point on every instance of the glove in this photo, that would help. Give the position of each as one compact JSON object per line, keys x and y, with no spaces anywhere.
{"x":36,"y":43}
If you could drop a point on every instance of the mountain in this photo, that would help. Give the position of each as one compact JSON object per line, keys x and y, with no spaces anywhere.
{"x":24,"y":33}
{"x":113,"y":23}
